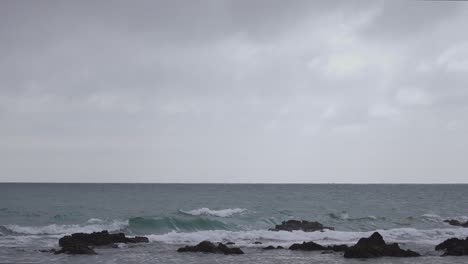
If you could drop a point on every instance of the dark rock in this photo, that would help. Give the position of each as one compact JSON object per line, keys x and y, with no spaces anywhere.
{"x":47,"y":250}
{"x":81,"y":242}
{"x":303,"y":225}
{"x":307,"y":246}
{"x":138,"y":239}
{"x":76,"y":249}
{"x":375,"y":246}
{"x":208,"y":247}
{"x":454,"y":247}
{"x":230,"y":243}
{"x":456,"y":223}
{"x":272,"y":247}
{"x":312,"y":246}
{"x":257,"y":243}
{"x":338,"y":248}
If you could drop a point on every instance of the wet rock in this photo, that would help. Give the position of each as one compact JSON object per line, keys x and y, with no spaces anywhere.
{"x":374,"y":247}
{"x":306,"y":226}
{"x":456,"y":223}
{"x":76,"y":249}
{"x":209,"y":247}
{"x":312,"y":246}
{"x":272,"y":247}
{"x":454,"y":247}
{"x":307,"y":246}
{"x":257,"y":243}
{"x":80,"y":243}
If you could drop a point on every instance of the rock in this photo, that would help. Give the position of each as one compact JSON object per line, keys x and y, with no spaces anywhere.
{"x":303,"y":225}
{"x":307,"y":246}
{"x":257,"y":243}
{"x":79,"y":243}
{"x":230,"y":243}
{"x":272,"y":247}
{"x":208,"y":247}
{"x":311,"y":246}
{"x":76,"y":249}
{"x":454,"y":247}
{"x":375,"y":246}
{"x":456,"y":223}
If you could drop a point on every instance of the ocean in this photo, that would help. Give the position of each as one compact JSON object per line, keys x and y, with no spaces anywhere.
{"x":34,"y":216}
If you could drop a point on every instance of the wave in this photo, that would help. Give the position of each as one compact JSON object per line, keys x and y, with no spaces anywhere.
{"x":166,"y":224}
{"x":284,"y":238}
{"x":56,"y":229}
{"x":218,"y":213}
{"x":345,"y":216}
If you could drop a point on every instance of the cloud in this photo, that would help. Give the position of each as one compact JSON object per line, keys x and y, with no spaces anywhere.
{"x":255,"y":90}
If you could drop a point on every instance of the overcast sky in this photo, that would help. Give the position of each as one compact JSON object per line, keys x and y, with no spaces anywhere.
{"x":234,"y":91}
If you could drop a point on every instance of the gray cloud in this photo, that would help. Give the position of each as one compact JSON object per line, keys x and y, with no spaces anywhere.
{"x":233,"y":91}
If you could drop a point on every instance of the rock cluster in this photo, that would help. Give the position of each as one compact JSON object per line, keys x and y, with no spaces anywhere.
{"x":311,"y":246}
{"x":209,"y":247}
{"x":306,"y":226}
{"x":454,"y":247}
{"x":456,"y":223}
{"x":82,"y":243}
{"x":375,"y":246}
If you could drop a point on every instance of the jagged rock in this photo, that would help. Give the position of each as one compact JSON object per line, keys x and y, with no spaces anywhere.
{"x":454,"y":247}
{"x":208,"y":247}
{"x":312,"y":246}
{"x":456,"y":223}
{"x":374,"y":247}
{"x":272,"y":247}
{"x":307,"y":246}
{"x":306,"y":226}
{"x":78,"y":249}
{"x":79,"y":243}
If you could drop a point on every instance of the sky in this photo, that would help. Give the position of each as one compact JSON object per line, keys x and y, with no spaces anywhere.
{"x":234,"y":91}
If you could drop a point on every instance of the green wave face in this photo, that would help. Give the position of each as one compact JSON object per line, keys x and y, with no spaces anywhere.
{"x":167,"y":224}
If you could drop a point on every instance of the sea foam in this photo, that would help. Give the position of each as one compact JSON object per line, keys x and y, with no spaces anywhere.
{"x":284,"y":238}
{"x":218,"y":213}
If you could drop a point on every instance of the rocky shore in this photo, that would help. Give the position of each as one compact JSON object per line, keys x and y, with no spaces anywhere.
{"x":83,"y":243}
{"x":367,"y":247}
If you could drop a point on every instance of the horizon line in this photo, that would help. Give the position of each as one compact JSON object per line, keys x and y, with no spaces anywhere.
{"x":253,"y":183}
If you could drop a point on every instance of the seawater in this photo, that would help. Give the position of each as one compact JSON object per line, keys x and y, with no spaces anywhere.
{"x":34,"y":216}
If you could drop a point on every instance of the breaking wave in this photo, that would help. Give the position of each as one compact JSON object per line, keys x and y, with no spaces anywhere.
{"x":166,"y":224}
{"x":218,"y":213}
{"x":56,"y":229}
{"x":284,"y":238}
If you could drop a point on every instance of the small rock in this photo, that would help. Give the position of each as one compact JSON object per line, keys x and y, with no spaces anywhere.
{"x":306,"y":226}
{"x":209,"y":247}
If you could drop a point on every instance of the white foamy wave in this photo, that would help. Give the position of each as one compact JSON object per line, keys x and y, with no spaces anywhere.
{"x":55,"y":229}
{"x":95,"y":221}
{"x":432,"y":217}
{"x":328,"y":237}
{"x":218,"y":213}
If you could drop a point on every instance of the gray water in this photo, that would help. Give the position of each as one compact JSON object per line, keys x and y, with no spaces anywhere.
{"x":34,"y":216}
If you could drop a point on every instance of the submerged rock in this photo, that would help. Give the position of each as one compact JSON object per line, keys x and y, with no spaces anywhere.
{"x":454,"y":247}
{"x":312,"y":246}
{"x":272,"y":247}
{"x":306,"y":226}
{"x":456,"y":223}
{"x":375,"y":246}
{"x":81,"y":243}
{"x":76,"y":249}
{"x":209,"y":247}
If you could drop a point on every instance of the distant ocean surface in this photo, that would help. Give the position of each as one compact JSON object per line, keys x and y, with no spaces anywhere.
{"x":34,"y":216}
